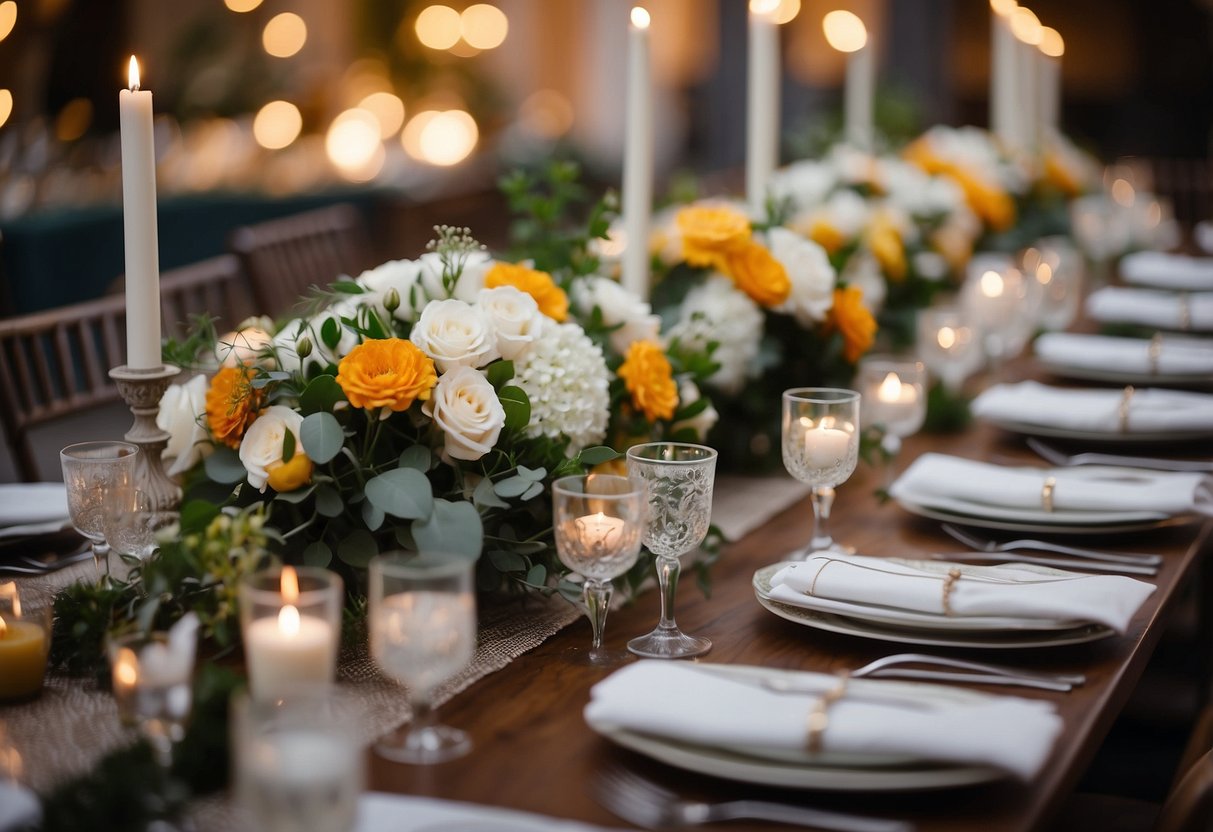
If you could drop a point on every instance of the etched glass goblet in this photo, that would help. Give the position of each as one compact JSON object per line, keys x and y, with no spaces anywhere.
{"x":598,"y":521}
{"x":91,"y":470}
{"x":132,"y":525}
{"x":680,"y":477}
{"x":821,"y":449}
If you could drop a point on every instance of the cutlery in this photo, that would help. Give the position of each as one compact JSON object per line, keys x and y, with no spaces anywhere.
{"x":978,"y":672}
{"x":1056,"y":457}
{"x":983,"y":545}
{"x":1060,"y":563}
{"x":639,"y":800}
{"x":47,"y":563}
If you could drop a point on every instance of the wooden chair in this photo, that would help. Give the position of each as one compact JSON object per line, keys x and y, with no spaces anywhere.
{"x":56,"y":362}
{"x":284,"y":258}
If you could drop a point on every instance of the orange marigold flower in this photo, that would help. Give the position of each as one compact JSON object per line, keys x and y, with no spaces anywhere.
{"x":853,"y":320}
{"x":287,"y":476}
{"x":232,"y":404}
{"x":884,"y":241}
{"x":710,"y":233}
{"x":757,"y":273}
{"x":551,"y":299}
{"x":388,"y":372}
{"x":647,"y":374}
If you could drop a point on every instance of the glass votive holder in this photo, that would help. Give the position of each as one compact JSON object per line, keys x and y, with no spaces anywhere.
{"x":947,"y":344}
{"x":997,"y":299}
{"x":297,"y":759}
{"x":1057,"y":267}
{"x":291,"y":621}
{"x":894,"y":395}
{"x":25,"y":638}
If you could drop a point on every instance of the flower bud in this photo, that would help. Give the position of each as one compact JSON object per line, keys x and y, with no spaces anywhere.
{"x":304,"y":348}
{"x":391,"y":301}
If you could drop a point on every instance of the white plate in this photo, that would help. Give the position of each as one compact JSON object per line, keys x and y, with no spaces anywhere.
{"x":1109,"y":523}
{"x":1120,"y":377}
{"x":1122,"y":438}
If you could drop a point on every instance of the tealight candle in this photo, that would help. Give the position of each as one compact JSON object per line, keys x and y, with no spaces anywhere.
{"x":893,"y":390}
{"x":597,"y":530}
{"x":23,"y":648}
{"x":825,"y":446}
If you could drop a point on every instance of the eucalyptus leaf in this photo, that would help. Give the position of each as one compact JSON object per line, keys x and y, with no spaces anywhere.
{"x":295,"y":497}
{"x":534,"y":491}
{"x":537,"y":575}
{"x":403,"y":492}
{"x":532,"y":474}
{"x":404,"y":536}
{"x":416,"y":456}
{"x":328,"y":501}
{"x":452,"y":528}
{"x":485,"y":497}
{"x":224,"y":466}
{"x":372,"y":515}
{"x":507,"y":561}
{"x":597,"y":455}
{"x":322,"y":437}
{"x":317,"y":554}
{"x":357,"y":549}
{"x":321,"y":394}
{"x":517,"y":406}
{"x":512,"y":487}
{"x":288,"y":446}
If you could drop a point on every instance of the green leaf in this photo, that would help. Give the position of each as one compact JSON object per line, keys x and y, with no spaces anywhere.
{"x":196,"y":515}
{"x":537,"y":575}
{"x":322,"y":437}
{"x":499,"y":373}
{"x":404,"y":536}
{"x":485,"y":497}
{"x":597,"y":455}
{"x":452,"y":529}
{"x":330,"y":333}
{"x":347,"y":287}
{"x":224,"y":466}
{"x":512,"y":487}
{"x":358,"y":548}
{"x":403,"y":492}
{"x":372,"y":515}
{"x":328,"y":501}
{"x":288,"y":446}
{"x":321,"y":394}
{"x":295,"y":497}
{"x":534,"y":491}
{"x":532,"y":474}
{"x":506,"y":561}
{"x":693,"y":409}
{"x":417,"y":457}
{"x":317,"y":554}
{"x":517,"y":406}
{"x":571,"y":592}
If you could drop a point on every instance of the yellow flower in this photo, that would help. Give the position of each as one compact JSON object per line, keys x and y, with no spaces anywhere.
{"x":388,"y":372}
{"x":710,"y":233}
{"x":287,"y":476}
{"x":826,"y":235}
{"x":955,"y":246}
{"x":853,"y":320}
{"x":232,"y":404}
{"x":759,"y":274}
{"x":551,"y":299}
{"x":648,"y":376}
{"x":886,"y":246}
{"x":1060,"y":176}
{"x":994,"y":205}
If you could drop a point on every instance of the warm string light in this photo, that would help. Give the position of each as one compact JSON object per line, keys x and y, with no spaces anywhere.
{"x":284,"y":35}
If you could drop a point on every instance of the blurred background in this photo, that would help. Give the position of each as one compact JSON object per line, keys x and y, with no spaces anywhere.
{"x":411,"y":109}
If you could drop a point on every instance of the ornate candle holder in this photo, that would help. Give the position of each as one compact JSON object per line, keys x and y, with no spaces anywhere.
{"x":141,"y":390}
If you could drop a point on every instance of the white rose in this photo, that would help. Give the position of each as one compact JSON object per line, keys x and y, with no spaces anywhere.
{"x":806,"y":183}
{"x":182,"y":409}
{"x":243,"y":346}
{"x":620,"y":308}
{"x":466,"y":408}
{"x":810,"y":272}
{"x":400,"y":276}
{"x":471,"y":279}
{"x":289,"y":339}
{"x":863,"y":271}
{"x":455,"y":334}
{"x":262,"y":443}
{"x":688,"y":394}
{"x":515,"y":318}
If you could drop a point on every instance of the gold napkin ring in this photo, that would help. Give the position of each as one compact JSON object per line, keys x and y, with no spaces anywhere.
{"x":1155,"y":352}
{"x":819,"y":717}
{"x":1046,"y":494}
{"x":1185,"y":311}
{"x":949,"y":584}
{"x":1125,"y":400}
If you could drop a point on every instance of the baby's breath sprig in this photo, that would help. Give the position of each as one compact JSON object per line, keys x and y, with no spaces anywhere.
{"x":454,"y":245}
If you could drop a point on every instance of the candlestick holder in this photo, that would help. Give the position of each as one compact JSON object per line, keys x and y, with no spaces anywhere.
{"x":141,"y":390}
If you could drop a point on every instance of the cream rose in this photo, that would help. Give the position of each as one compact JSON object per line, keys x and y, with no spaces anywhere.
{"x":402,"y":277}
{"x":261,"y":447}
{"x":455,"y":334}
{"x":465,"y":406}
{"x":515,"y":318}
{"x":620,"y":308}
{"x":181,"y":414}
{"x":242,"y":346}
{"x":811,"y":274}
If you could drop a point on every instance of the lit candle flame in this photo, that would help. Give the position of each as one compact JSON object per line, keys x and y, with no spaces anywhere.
{"x":8,"y":591}
{"x":946,"y":337}
{"x":640,"y":17}
{"x":1051,"y":42}
{"x":844,"y":31}
{"x":132,"y":75}
{"x":992,"y":284}
{"x":890,"y":388}
{"x":1044,"y":273}
{"x":1026,"y":26}
{"x":126,"y":669}
{"x":290,"y":585}
{"x":764,"y":7}
{"x":3,"y":627}
{"x":288,"y":621}
{"x":1003,"y":8}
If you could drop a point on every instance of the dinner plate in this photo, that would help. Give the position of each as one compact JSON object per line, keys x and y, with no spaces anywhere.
{"x":863,"y":624}
{"x":1119,"y":437}
{"x":974,"y":514}
{"x":1112,"y":376}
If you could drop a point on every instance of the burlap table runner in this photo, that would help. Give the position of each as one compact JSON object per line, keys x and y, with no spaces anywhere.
{"x":72,"y":724}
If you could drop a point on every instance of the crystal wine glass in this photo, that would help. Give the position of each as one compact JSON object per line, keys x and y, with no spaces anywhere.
{"x":423,"y":632}
{"x":679,"y":478}
{"x":895,"y":392}
{"x":132,"y":525}
{"x":598,"y":520}
{"x":821,"y":449}
{"x":90,"y":471}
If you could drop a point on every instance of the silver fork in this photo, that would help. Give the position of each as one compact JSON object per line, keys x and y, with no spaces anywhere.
{"x":983,"y":545}
{"x":639,"y":800}
{"x":1055,"y":457}
{"x":977,"y":672}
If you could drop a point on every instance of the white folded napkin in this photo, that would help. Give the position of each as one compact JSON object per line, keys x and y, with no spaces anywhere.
{"x":19,"y":808}
{"x":1152,"y":307}
{"x":1110,"y":600}
{"x":1151,"y":410}
{"x":1176,"y":355}
{"x":682,"y":702}
{"x":32,"y":502}
{"x":1089,"y":488}
{"x":1167,"y":271}
{"x":378,"y":812}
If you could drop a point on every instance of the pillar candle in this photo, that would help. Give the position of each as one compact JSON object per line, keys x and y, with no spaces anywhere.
{"x":1002,"y":72}
{"x":638,"y":158}
{"x":139,"y":226}
{"x":1052,"y":47}
{"x":845,"y":32}
{"x":1026,"y":28}
{"x":762,"y":100}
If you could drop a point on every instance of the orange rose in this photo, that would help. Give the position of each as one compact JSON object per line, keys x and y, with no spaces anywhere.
{"x":826,"y":235}
{"x":389,"y":372}
{"x":853,"y":320}
{"x":647,"y":374}
{"x":232,"y":404}
{"x":551,"y":299}
{"x":886,"y":246}
{"x":759,"y":275}
{"x":709,"y":233}
{"x":994,"y":205}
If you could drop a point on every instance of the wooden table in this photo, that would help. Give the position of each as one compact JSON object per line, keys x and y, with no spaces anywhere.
{"x":533,"y":751}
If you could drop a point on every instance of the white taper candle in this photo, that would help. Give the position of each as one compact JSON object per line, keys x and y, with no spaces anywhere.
{"x":762,"y":99}
{"x":638,"y":158}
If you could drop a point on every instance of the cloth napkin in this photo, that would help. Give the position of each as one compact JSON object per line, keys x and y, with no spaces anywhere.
{"x":682,"y":702}
{"x":1153,"y":410}
{"x":1110,"y":600}
{"x":1089,"y":488}
{"x":378,"y":812}
{"x":1151,"y":307}
{"x":1176,"y":356}
{"x":19,"y":808}
{"x":1167,"y":271}
{"x":33,"y":502}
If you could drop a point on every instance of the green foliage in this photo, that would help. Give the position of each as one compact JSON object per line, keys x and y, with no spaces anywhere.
{"x":947,"y":412}
{"x":196,"y":349}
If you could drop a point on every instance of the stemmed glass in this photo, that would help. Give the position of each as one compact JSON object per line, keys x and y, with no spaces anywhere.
{"x":679,"y":478}
{"x":91,"y":470}
{"x":598,"y":520}
{"x":821,"y":449}
{"x":423,"y":632}
{"x":895,"y":392}
{"x":132,"y":525}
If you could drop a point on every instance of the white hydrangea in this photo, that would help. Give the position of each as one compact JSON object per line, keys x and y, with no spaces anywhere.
{"x":620,"y":308}
{"x":565,"y":376}
{"x":805,"y":184}
{"x":717,"y":311}
{"x":810,"y":272}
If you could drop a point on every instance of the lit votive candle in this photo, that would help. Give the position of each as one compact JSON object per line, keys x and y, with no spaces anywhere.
{"x":825,"y":446}
{"x":24,"y":644}
{"x":598,"y":530}
{"x":894,"y":392}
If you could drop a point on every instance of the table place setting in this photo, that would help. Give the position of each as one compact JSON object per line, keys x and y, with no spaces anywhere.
{"x":1167,"y":270}
{"x":1154,"y":308}
{"x":1166,"y":360}
{"x":32,"y":509}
